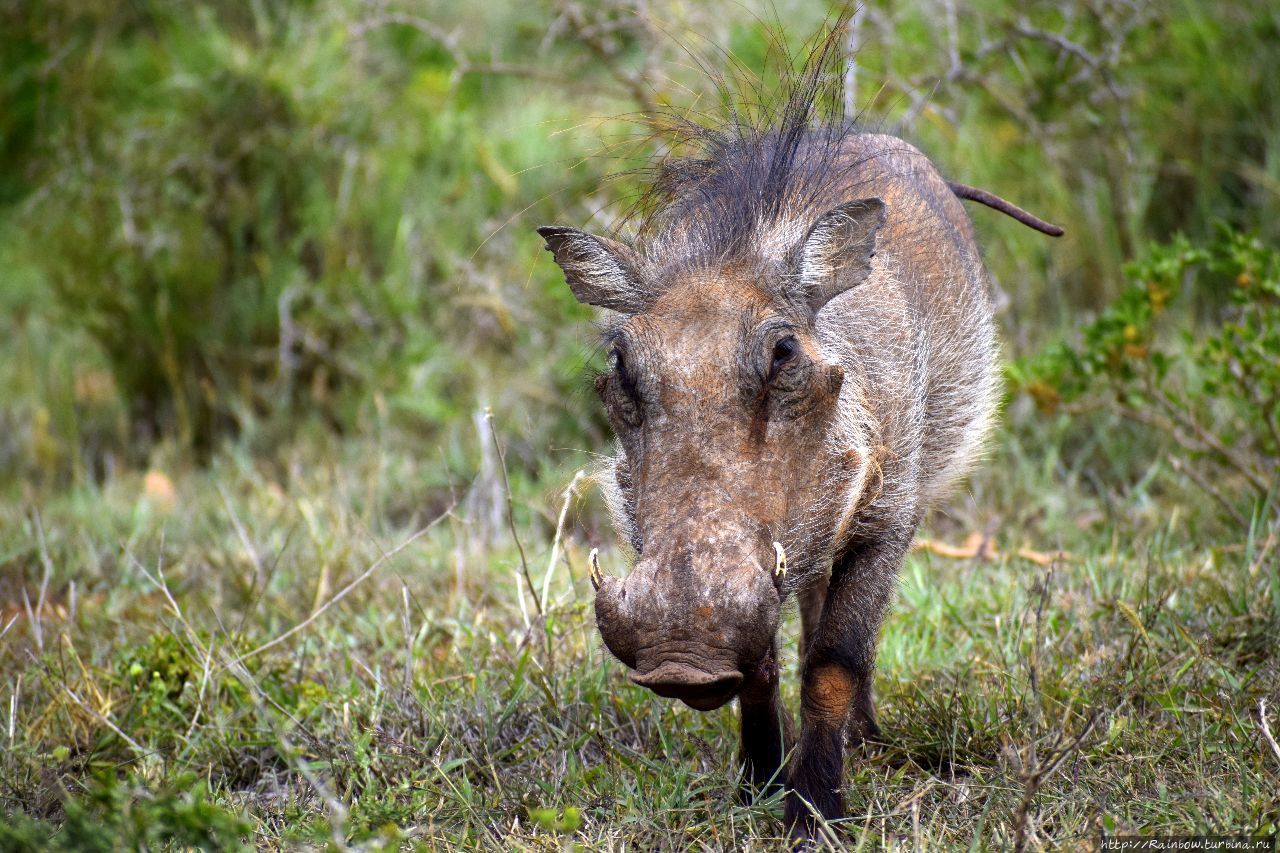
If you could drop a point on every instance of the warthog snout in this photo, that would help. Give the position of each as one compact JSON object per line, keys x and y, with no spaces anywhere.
{"x":690,"y":624}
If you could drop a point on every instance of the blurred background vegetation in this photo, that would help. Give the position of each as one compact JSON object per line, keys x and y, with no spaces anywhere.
{"x":266,"y":266}
{"x":245,"y":221}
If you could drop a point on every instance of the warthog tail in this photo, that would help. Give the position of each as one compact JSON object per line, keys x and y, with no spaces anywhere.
{"x":1005,"y":207}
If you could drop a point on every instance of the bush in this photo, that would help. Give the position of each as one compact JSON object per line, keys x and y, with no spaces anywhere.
{"x":225,"y":212}
{"x":287,"y":211}
{"x":1214,"y":390}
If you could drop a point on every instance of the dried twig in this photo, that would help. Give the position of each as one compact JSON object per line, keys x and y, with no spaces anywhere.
{"x":1265,"y":398}
{"x":1037,"y":774}
{"x":163,"y":586}
{"x":1209,"y":489}
{"x":450,"y":41}
{"x":606,"y":52}
{"x":1031,"y":770}
{"x":1208,"y":439}
{"x":979,"y":546}
{"x":198,"y":650}
{"x":1182,"y":426}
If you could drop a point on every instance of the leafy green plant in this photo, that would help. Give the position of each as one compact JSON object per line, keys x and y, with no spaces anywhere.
{"x":176,"y":256}
{"x":157,"y":673}
{"x":119,"y":815}
{"x":566,"y":822}
{"x":1213,"y":389}
{"x":256,"y":213}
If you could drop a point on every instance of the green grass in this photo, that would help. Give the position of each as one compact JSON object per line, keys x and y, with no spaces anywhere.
{"x":419,"y":710}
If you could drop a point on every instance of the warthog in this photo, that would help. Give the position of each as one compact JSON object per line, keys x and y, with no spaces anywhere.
{"x":802,"y":358}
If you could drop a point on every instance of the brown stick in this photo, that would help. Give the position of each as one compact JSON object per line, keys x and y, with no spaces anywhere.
{"x":1006,"y":207}
{"x":977,"y":546}
{"x":1035,"y":775}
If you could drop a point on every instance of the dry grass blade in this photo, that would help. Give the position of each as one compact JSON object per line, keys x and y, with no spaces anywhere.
{"x":242,"y":533}
{"x":33,"y":619}
{"x":106,"y":721}
{"x":13,"y":709}
{"x":346,"y":590}
{"x":511,"y":515}
{"x":1266,"y":729}
{"x":569,"y":492}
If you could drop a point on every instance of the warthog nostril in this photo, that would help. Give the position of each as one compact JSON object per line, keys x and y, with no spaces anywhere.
{"x":697,"y":689}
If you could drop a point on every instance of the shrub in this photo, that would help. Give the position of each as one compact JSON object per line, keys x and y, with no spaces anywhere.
{"x":1214,"y":389}
{"x":257,"y":211}
{"x":189,"y":186}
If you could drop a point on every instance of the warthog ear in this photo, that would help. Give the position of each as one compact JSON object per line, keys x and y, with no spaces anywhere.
{"x":598,"y":270}
{"x":836,"y":253}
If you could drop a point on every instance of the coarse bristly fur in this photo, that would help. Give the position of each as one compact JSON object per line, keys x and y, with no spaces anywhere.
{"x":803,"y":353}
{"x":746,"y":188}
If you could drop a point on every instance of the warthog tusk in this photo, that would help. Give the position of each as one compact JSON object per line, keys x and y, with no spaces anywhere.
{"x":597,"y":577}
{"x":779,"y":561}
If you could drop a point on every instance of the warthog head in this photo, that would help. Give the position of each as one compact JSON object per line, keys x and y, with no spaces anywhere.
{"x":728,"y":415}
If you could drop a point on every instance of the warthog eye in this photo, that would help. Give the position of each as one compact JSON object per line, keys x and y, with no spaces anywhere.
{"x":783,"y":351}
{"x":625,"y":404}
{"x":618,"y":360}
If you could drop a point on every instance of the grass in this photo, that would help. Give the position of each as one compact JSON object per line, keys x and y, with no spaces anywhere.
{"x":420,"y":711}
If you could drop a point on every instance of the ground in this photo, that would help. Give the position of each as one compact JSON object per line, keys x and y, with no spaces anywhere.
{"x":312,"y":653}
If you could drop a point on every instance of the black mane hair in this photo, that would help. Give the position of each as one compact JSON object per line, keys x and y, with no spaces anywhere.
{"x":724,"y":179}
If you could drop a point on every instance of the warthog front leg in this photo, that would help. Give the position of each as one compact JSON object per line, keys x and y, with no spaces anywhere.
{"x":836,"y":678}
{"x":812,"y":598}
{"x":765,"y":729}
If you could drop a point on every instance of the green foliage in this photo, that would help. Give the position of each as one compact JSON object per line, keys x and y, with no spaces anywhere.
{"x":259,"y":215}
{"x":1123,"y":122}
{"x":171,"y":256}
{"x":114,"y":815}
{"x":569,"y":821}
{"x":225,"y":219}
{"x":156,"y":674}
{"x":1215,"y":390}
